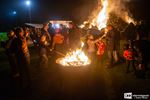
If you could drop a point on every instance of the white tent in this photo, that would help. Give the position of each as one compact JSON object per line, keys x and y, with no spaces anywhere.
{"x":63,"y":22}
{"x":54,"y":22}
{"x":34,"y":25}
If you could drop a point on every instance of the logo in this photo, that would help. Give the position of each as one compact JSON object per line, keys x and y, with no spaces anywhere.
{"x":128,"y":95}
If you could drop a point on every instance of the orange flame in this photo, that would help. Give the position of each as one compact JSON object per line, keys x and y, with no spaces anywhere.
{"x":101,"y":19}
{"x":100,"y":15}
{"x":75,"y":58}
{"x":129,"y":20}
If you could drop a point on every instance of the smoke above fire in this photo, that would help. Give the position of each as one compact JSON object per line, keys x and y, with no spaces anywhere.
{"x":119,"y":7}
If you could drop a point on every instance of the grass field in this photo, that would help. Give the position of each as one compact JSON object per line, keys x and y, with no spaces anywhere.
{"x":60,"y":83}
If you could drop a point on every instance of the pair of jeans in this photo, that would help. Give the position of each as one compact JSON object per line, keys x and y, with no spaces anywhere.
{"x":130,"y":63}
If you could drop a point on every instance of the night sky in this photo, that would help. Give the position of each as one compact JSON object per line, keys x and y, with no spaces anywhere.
{"x":44,"y":10}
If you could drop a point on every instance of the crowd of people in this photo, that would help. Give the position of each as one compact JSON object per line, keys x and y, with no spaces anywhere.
{"x":97,"y":43}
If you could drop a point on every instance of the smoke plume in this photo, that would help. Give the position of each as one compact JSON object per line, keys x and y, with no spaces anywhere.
{"x":119,"y":8}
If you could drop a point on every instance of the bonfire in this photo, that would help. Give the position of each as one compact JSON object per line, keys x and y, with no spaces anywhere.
{"x":75,"y":58}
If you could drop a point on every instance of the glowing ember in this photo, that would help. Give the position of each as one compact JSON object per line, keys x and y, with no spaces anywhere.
{"x":74,"y":58}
